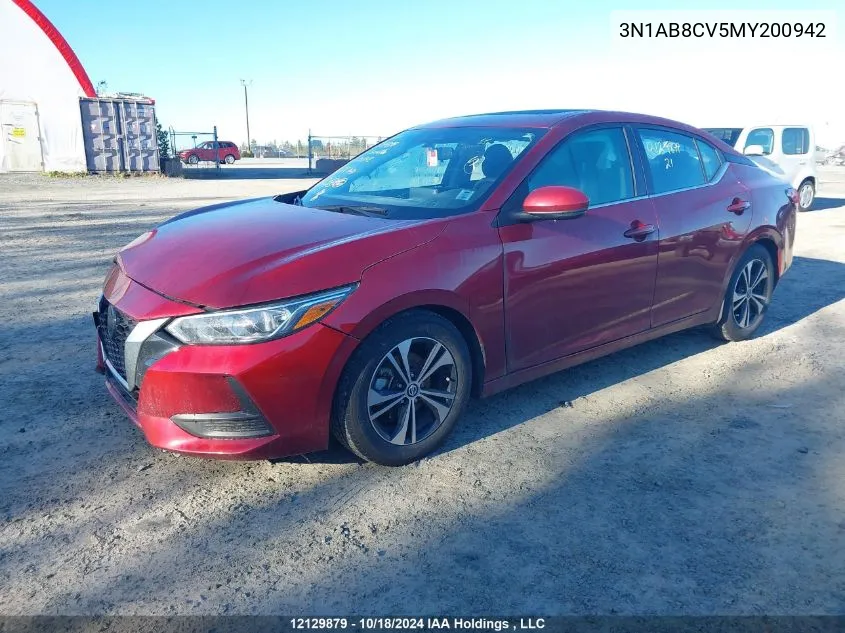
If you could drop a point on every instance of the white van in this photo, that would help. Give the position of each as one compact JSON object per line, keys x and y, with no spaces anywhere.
{"x":787,"y":151}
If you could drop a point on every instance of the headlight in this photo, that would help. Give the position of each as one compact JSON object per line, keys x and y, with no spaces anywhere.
{"x":260,"y":323}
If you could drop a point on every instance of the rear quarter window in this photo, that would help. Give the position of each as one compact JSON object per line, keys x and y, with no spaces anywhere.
{"x":711,"y":159}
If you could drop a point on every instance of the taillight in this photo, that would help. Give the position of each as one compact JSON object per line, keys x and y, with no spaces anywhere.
{"x":792,"y":194}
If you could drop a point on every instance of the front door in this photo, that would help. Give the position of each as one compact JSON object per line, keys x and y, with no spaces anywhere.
{"x":575,"y":284}
{"x":21,"y":137}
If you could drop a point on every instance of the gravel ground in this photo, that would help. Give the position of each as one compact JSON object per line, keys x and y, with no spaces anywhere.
{"x":678,"y":477}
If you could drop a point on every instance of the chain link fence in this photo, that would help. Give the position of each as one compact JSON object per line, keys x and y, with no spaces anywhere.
{"x":193,"y":148}
{"x":327,"y":153}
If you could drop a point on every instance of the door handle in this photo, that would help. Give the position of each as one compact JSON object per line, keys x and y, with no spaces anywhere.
{"x":639,"y":231}
{"x":738,"y":206}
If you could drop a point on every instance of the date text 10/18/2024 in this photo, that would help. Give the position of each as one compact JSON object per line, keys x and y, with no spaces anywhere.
{"x":409,"y":624}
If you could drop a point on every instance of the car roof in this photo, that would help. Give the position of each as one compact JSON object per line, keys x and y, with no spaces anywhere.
{"x":553,"y":118}
{"x":571,"y":120}
{"x":756,"y":125}
{"x":516,"y":118}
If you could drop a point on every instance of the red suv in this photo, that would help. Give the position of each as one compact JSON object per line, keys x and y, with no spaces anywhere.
{"x":454,"y":259}
{"x":226,"y":152}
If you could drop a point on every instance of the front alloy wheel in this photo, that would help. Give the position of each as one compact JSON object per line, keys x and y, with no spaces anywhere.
{"x":403,"y":389}
{"x":412,"y":391}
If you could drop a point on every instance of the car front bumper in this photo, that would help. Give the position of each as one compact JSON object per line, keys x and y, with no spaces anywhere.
{"x":256,"y":401}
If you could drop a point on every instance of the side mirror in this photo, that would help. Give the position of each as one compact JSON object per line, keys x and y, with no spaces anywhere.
{"x":554,"y":203}
{"x":754,"y":150}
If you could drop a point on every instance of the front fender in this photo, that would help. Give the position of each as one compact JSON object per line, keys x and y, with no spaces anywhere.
{"x":460,"y":270}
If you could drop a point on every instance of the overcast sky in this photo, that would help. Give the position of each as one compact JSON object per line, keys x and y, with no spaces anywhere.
{"x":373,"y":67}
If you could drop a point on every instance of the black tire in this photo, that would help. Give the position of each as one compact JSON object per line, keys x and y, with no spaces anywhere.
{"x":230,"y":159}
{"x":193,"y":159}
{"x":352,"y":423}
{"x":735,"y":323}
{"x":806,"y":201}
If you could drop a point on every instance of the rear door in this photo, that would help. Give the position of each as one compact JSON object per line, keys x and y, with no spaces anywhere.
{"x":575,"y":284}
{"x":704,"y":214}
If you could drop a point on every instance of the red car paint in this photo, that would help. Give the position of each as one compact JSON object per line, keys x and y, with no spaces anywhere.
{"x":531,"y":298}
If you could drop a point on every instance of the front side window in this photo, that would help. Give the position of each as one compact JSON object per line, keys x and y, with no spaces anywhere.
{"x":424,"y":173}
{"x":673,"y":160}
{"x":710,"y":158}
{"x":796,"y":140}
{"x":762,"y":136}
{"x":596,"y":162}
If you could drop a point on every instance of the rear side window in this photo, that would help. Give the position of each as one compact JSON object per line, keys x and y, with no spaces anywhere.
{"x":596,"y":162}
{"x":762,"y":136}
{"x":796,"y":140}
{"x":673,"y":160}
{"x":710,"y":158}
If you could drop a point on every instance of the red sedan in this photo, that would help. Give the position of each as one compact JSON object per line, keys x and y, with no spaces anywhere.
{"x":455,"y":259}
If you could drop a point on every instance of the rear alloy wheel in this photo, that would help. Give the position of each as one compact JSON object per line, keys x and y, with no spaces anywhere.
{"x":806,"y":195}
{"x":229,"y":159}
{"x":403,"y":390}
{"x":748,"y":295}
{"x":193,"y":159}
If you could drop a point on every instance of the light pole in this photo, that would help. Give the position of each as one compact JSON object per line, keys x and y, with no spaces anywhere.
{"x":246,"y":83}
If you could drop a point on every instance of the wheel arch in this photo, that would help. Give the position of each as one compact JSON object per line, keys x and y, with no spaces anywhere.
{"x":445,"y":304}
{"x":465,"y":327}
{"x":768,"y":238}
{"x":767,"y":242}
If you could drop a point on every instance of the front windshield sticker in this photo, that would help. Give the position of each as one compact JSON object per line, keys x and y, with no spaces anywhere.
{"x":431,"y":157}
{"x":464,"y":194}
{"x":338,"y":182}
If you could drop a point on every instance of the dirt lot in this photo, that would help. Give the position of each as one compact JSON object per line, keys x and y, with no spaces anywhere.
{"x":686,"y":477}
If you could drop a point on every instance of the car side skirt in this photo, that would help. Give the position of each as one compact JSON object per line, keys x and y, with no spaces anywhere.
{"x":532,"y":373}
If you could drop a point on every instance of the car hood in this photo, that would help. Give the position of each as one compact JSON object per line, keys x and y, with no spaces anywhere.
{"x":261,"y":250}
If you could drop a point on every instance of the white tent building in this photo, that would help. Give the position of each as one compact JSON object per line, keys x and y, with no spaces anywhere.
{"x":41,"y":81}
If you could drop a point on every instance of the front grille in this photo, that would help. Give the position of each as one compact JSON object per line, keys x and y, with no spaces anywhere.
{"x":113,"y":328}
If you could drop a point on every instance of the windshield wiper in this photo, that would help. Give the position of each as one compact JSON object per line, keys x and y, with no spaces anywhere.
{"x":356,"y":209}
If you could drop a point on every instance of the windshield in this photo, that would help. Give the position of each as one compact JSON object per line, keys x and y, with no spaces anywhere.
{"x":727,"y":134}
{"x":425,"y":173}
